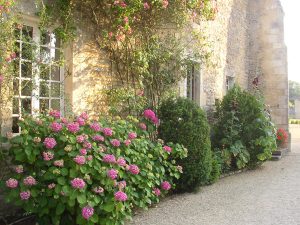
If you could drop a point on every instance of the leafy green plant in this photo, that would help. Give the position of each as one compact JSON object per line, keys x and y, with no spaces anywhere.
{"x":244,"y":129}
{"x":84,"y":171}
{"x":184,"y":122}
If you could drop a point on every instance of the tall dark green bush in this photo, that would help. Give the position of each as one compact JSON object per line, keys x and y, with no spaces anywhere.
{"x":184,"y":122}
{"x":243,"y":130}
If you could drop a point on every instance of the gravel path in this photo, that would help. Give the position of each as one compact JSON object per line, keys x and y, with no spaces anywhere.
{"x":267,"y":196}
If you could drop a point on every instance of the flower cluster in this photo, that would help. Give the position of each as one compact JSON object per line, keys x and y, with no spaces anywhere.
{"x":107,"y":131}
{"x":165,"y":185}
{"x":115,"y":142}
{"x":78,"y":183}
{"x":79,"y":159}
{"x":112,"y":174}
{"x":134,"y":169}
{"x":73,"y":127}
{"x":11,"y":183}
{"x":29,"y":181}
{"x":120,"y":196}
{"x":282,"y":136}
{"x":109,"y":158}
{"x":47,"y":156}
{"x":56,"y":127}
{"x":150,"y":115}
{"x":49,"y":143}
{"x":87,"y":212}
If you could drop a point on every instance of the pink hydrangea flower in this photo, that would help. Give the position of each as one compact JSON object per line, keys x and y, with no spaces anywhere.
{"x":56,"y":127}
{"x":123,"y":4}
{"x":84,"y":115}
{"x":165,"y":4}
{"x":83,"y":151}
{"x":78,"y":183}
{"x":80,"y":121}
{"x":55,"y":114}
{"x":98,"y":190}
{"x":146,"y":6}
{"x":165,"y":185}
{"x":87,"y":145}
{"x":109,"y":159}
{"x":25,"y":195}
{"x":19,"y":169}
{"x":107,"y":131}
{"x":95,"y":127}
{"x":59,"y":163}
{"x":64,"y":120}
{"x":80,"y":138}
{"x":120,"y":196}
{"x":115,"y":142}
{"x":132,"y":135}
{"x":47,"y":156}
{"x":90,"y":157}
{"x":49,"y":143}
{"x":87,"y":212}
{"x":112,"y":174}
{"x":122,"y":184}
{"x":126,"y":20}
{"x":98,"y":138}
{"x":29,"y":181}
{"x":127,"y":142}
{"x":150,"y":115}
{"x":79,"y":159}
{"x":73,"y":127}
{"x":51,"y":186}
{"x":121,"y":161}
{"x":12,"y":183}
{"x":167,"y":148}
{"x":134,"y":169}
{"x":143,"y":126}
{"x":156,"y":191}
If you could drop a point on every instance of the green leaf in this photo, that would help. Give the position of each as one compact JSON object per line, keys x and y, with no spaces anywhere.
{"x":17,"y":140}
{"x":109,"y":206}
{"x":60,"y":208}
{"x":95,"y":218}
{"x":81,"y":198}
{"x":61,"y":181}
{"x":64,"y":171}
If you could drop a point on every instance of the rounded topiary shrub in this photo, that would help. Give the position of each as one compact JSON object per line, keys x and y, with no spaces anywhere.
{"x":186,"y":123}
{"x":243,"y":130}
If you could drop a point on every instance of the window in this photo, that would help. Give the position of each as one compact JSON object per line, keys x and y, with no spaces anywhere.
{"x":193,"y":84}
{"x":229,"y":82}
{"x":38,"y":79}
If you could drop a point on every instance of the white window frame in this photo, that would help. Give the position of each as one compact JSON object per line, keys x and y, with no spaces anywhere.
{"x":36,"y":80}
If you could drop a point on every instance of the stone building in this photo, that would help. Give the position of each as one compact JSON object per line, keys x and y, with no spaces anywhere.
{"x":247,"y":41}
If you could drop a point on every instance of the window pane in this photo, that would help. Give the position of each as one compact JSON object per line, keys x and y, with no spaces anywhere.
{"x":16,"y":67}
{"x":17,"y":48}
{"x":55,"y":90}
{"x":55,"y":104}
{"x":15,"y":127}
{"x":55,"y":73}
{"x":26,"y":69}
{"x":45,"y":72}
{"x":57,"y":54}
{"x":44,"y":89}
{"x":16,"y":87}
{"x":45,"y":55}
{"x":45,"y":38}
{"x":26,"y":87}
{"x":16,"y":106}
{"x":27,"y":32}
{"x":44,"y":105}
{"x":26,"y":105}
{"x":27,"y":51}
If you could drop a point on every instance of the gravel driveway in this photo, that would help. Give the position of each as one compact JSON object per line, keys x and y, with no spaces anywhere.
{"x":267,"y":196}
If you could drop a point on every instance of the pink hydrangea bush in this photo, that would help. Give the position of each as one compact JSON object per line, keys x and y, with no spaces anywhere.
{"x":89,"y":167}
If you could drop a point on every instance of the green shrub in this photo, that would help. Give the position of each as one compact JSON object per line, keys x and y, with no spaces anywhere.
{"x":244,"y":129}
{"x":184,"y":122}
{"x":87,"y":171}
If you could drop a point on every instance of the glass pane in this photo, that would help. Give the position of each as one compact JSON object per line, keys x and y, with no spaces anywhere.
{"x":26,"y":105}
{"x":57,"y":54}
{"x":27,"y":32}
{"x":16,"y":87}
{"x":26,"y":87}
{"x":17,"y":48}
{"x":16,"y":67}
{"x":26,"y":69}
{"x":55,"y":104}
{"x":45,"y":72}
{"x":15,"y":127}
{"x":44,"y":89}
{"x":55,"y":73}
{"x":44,"y":105}
{"x":27,"y":51}
{"x":55,"y":90}
{"x":56,"y":41}
{"x":45,"y":55}
{"x":16,"y":106}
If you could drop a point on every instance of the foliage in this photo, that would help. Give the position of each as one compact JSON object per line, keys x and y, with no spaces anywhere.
{"x":243,"y":134}
{"x":184,"y":122}
{"x":88,"y":171}
{"x":281,"y":136}
{"x":144,"y":40}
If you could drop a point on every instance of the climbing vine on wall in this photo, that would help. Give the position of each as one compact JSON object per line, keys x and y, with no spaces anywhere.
{"x":147,"y":41}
